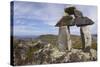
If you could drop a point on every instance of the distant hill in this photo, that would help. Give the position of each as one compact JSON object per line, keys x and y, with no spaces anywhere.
{"x":49,"y":38}
{"x":76,"y":40}
{"x":28,"y":37}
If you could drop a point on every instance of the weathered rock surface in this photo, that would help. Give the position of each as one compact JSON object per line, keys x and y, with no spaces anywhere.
{"x":47,"y":54}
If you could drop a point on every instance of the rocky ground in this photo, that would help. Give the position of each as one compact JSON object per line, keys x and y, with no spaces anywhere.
{"x":45,"y":53}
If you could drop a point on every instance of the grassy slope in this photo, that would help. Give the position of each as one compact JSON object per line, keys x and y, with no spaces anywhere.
{"x":76,"y":40}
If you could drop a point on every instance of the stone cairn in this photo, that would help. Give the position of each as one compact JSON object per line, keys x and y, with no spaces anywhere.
{"x":64,"y":40}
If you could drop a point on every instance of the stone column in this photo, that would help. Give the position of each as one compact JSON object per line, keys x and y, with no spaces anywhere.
{"x":64,"y":40}
{"x":86,"y":37}
{"x":84,"y":24}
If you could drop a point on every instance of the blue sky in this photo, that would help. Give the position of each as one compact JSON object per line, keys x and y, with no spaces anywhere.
{"x":32,"y":18}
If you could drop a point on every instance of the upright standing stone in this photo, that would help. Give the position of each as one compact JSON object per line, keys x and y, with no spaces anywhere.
{"x":84,"y":23}
{"x":86,"y":37}
{"x":64,"y":40}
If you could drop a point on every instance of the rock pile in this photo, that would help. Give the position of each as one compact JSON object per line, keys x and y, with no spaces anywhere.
{"x":47,"y":54}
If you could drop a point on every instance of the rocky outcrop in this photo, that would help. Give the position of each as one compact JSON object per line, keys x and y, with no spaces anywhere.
{"x":48,"y":54}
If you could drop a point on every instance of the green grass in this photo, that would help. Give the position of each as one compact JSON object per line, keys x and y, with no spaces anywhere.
{"x":52,"y":39}
{"x":76,"y":41}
